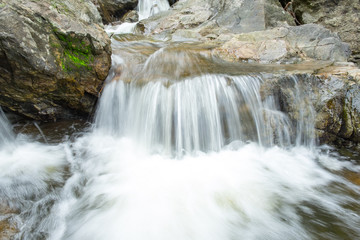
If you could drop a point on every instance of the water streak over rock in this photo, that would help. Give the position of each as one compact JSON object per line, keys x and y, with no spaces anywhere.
{"x":6,"y":135}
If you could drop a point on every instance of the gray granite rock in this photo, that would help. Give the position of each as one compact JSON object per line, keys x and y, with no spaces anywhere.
{"x":342,"y":17}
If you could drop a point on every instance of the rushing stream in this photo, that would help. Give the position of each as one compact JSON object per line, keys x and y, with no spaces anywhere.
{"x":179,"y":150}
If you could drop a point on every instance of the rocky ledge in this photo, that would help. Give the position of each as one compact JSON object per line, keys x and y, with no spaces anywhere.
{"x":333,"y":91}
{"x":54,"y":56}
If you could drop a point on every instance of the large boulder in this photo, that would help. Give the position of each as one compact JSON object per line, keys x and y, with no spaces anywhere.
{"x":342,"y":17}
{"x":114,"y":10}
{"x":285,"y":44}
{"x":215,"y":17}
{"x":54,"y":57}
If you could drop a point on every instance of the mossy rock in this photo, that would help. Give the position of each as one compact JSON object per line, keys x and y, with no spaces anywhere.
{"x":53,"y":64}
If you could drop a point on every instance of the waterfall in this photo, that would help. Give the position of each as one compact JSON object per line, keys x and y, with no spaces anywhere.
{"x":6,"y":135}
{"x":175,"y":105}
{"x":203,"y":113}
{"x":148,"y":8}
{"x":182,"y":147}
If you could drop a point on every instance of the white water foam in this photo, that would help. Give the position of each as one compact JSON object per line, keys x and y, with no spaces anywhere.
{"x":120,"y":29}
{"x":108,"y":185}
{"x":245,"y":191}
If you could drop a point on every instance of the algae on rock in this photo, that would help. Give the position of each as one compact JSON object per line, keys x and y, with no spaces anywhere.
{"x":54,"y":58}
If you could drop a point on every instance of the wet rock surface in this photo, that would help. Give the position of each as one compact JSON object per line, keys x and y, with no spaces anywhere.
{"x":334,"y":92}
{"x":8,"y":227}
{"x":53,"y":58}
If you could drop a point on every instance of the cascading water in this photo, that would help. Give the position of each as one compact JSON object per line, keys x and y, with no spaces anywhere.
{"x":148,"y":8}
{"x":180,"y":150}
{"x":31,"y":174}
{"x":202,"y":113}
{"x":6,"y":136}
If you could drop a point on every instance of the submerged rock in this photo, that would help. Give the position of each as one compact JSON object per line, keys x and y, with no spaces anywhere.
{"x":342,"y":17}
{"x":54,"y":56}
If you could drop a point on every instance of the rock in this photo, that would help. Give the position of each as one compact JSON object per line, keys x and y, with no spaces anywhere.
{"x":263,"y":51}
{"x":275,"y":15}
{"x":8,"y":227}
{"x":131,"y":16}
{"x":342,"y":17}
{"x":282,"y":44}
{"x":318,"y":42}
{"x":335,"y":97}
{"x":172,"y":2}
{"x":340,"y":104}
{"x":353,"y":177}
{"x":114,"y":10}
{"x":241,"y":16}
{"x":247,"y":30}
{"x":351,"y":114}
{"x":54,"y":57}
{"x":217,"y":17}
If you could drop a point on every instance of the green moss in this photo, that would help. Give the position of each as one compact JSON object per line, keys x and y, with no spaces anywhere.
{"x":76,"y":51}
{"x":76,"y":59}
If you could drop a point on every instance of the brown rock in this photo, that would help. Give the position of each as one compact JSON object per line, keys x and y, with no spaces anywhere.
{"x":7,"y":229}
{"x":53,"y":57}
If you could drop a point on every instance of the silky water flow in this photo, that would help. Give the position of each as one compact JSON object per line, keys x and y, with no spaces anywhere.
{"x":177,"y":152}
